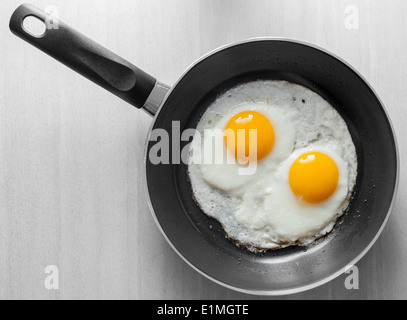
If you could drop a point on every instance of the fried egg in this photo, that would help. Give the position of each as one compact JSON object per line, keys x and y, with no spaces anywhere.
{"x":229,"y":176}
{"x":286,"y":185}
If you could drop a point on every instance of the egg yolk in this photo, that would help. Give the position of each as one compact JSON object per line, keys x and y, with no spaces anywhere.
{"x":250,"y":120}
{"x":314,"y":177}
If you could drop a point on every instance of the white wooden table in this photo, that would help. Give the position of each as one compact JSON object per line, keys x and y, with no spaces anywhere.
{"x":71,"y":154}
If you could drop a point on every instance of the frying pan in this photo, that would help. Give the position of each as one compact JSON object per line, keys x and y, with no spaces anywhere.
{"x":199,"y":240}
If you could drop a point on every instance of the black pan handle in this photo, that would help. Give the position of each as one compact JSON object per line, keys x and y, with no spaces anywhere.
{"x":86,"y":57}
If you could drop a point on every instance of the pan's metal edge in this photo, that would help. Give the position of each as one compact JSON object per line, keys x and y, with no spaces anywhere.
{"x":317,"y":283}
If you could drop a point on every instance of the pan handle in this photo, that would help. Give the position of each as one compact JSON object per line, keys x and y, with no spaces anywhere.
{"x":91,"y":60}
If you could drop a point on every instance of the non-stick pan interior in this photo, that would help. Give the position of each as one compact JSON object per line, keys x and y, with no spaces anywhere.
{"x":201,"y":240}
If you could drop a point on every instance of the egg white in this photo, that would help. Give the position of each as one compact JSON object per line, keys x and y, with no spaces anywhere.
{"x":289,"y":218}
{"x":260,"y":211}
{"x":226,"y":176}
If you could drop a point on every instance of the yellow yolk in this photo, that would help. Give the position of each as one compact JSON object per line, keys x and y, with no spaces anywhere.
{"x":247,"y":121}
{"x":314,"y":177}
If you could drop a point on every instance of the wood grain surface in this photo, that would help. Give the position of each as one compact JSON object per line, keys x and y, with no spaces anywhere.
{"x":71,"y":154}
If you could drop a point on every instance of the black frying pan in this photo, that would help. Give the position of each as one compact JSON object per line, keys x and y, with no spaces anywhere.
{"x":199,"y":240}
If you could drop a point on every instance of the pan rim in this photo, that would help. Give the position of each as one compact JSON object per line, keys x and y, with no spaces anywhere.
{"x":271,"y":292}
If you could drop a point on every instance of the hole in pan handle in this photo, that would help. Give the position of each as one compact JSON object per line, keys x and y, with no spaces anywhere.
{"x":34,"y":26}
{"x":91,"y":60}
